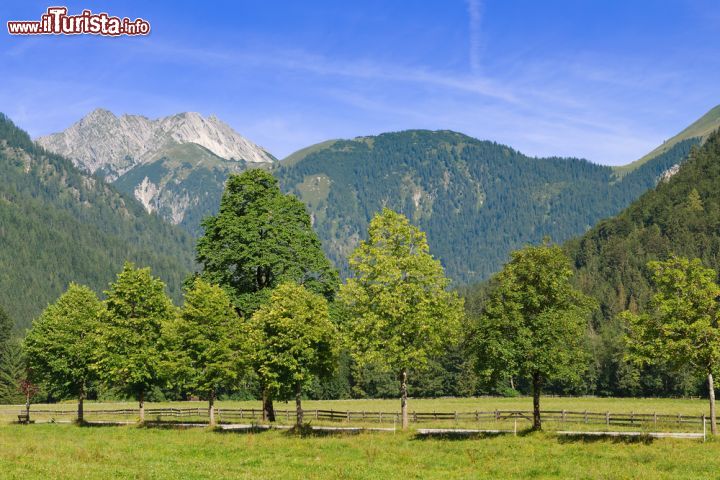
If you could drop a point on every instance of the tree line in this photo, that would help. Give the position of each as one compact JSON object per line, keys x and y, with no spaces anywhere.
{"x":268,"y":307}
{"x":267,"y":304}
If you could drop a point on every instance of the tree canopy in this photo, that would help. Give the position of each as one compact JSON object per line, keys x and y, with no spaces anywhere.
{"x":206,"y":343}
{"x":682,"y":325}
{"x":259,"y":239}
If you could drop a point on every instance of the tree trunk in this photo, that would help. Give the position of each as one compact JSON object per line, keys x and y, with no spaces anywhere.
{"x":27,"y":406}
{"x":537,"y":387}
{"x":298,"y":405}
{"x":142,"y":406}
{"x":81,"y":409}
{"x":403,"y":399}
{"x":211,"y":407}
{"x":268,"y":408}
{"x":711,"y":394}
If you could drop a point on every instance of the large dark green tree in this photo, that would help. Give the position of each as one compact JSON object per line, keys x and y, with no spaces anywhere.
{"x":534,"y":323}
{"x":259,"y":239}
{"x":399,"y":311}
{"x":61,"y":345}
{"x":130,"y":355}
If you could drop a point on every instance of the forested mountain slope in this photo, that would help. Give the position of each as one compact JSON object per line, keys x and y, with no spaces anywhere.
{"x":58,"y":225}
{"x":680,"y":216}
{"x":477,"y":200}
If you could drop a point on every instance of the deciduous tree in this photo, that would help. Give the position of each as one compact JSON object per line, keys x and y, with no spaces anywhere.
{"x":294,"y":341}
{"x":400,"y":312}
{"x":129,"y":349}
{"x":61,"y":345}
{"x":534,"y":323}
{"x":207,"y":343}
{"x":682,"y":325}
{"x":259,"y":239}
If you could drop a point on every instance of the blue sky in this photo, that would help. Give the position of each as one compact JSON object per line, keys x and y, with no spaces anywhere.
{"x":604,"y":80}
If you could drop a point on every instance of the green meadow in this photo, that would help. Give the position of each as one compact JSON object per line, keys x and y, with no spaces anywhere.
{"x":66,"y":451}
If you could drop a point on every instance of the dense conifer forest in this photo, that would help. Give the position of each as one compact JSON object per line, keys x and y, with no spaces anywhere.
{"x":477,"y":200}
{"x":58,"y":225}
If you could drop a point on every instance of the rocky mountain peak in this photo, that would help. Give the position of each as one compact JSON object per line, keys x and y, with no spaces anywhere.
{"x":110,"y":145}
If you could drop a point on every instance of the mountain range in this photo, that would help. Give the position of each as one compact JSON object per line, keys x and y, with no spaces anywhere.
{"x":477,"y":200}
{"x":78,"y":218}
{"x":680,"y":216}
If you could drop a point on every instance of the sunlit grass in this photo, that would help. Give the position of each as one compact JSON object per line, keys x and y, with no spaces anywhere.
{"x":66,"y":451}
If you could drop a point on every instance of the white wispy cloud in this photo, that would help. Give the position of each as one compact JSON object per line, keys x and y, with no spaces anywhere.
{"x":475,"y":17}
{"x":577,"y":106}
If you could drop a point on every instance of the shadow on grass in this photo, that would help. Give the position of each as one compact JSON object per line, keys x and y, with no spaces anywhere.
{"x":172,"y":425}
{"x":625,"y":439}
{"x":245,"y":430}
{"x":455,"y":436}
{"x":103,"y":424}
{"x":308,"y":430}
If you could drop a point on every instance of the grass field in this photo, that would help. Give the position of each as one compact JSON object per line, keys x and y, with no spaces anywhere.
{"x":68,"y":451}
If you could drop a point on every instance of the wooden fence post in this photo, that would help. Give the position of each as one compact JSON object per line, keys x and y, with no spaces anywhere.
{"x":607,"y":419}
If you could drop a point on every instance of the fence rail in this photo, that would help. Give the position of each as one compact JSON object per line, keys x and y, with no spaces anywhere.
{"x":229,"y":415}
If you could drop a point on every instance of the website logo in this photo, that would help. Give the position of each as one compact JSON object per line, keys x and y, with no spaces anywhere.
{"x":56,"y":21}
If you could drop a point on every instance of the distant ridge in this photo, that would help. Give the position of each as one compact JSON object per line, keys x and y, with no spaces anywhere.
{"x":700,"y":128}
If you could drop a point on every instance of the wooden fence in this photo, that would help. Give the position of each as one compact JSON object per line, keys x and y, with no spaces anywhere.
{"x":234,"y":415}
